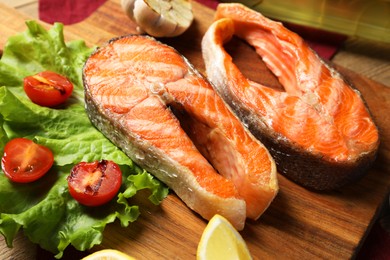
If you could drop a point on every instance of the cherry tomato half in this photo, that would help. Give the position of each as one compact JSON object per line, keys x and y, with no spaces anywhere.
{"x":48,"y":88}
{"x":95,"y":183}
{"x":25,"y":161}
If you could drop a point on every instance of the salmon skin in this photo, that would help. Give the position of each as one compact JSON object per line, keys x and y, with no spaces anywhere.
{"x":318,"y":128}
{"x":153,"y":104}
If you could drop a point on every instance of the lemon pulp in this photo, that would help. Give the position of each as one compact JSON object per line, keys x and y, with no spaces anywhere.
{"x":108,"y":254}
{"x":220,"y":240}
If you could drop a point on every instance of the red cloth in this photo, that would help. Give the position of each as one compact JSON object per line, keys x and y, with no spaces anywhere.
{"x":377,"y":244}
{"x":67,"y":11}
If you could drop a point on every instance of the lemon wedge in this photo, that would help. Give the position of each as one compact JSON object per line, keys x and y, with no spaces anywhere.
{"x":160,"y":18}
{"x":108,"y":254}
{"x":220,"y":240}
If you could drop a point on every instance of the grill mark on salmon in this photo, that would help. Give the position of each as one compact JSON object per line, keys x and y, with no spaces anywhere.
{"x":154,"y":105}
{"x":318,"y":128}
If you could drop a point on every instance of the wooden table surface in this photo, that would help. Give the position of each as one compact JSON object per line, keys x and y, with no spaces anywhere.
{"x":369,"y":59}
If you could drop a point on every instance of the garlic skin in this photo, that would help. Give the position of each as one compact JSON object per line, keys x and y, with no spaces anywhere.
{"x":160,"y":18}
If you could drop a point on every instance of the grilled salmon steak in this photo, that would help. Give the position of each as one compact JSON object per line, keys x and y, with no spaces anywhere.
{"x":153,"y":104}
{"x":318,"y":128}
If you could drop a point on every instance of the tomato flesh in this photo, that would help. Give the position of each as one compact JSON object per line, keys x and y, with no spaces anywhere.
{"x":95,"y":183}
{"x":25,"y":161}
{"x":47,"y":88}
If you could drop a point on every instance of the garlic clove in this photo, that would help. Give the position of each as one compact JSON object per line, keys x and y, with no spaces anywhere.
{"x":160,"y":18}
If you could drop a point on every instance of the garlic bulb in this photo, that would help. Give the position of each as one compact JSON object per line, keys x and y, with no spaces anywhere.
{"x":160,"y":18}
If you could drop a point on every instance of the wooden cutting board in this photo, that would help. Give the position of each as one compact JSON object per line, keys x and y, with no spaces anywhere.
{"x":299,"y":224}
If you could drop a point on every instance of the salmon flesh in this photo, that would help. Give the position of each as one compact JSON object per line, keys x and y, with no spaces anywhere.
{"x":317,"y":128}
{"x":153,"y":104}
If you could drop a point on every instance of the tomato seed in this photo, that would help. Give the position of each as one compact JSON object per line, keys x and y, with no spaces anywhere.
{"x":29,"y":168}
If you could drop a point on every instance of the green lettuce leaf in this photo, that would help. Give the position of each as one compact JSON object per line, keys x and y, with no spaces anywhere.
{"x":44,"y":209}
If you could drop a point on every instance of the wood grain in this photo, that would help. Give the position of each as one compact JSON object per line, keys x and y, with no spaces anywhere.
{"x":29,"y":7}
{"x":299,"y":224}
